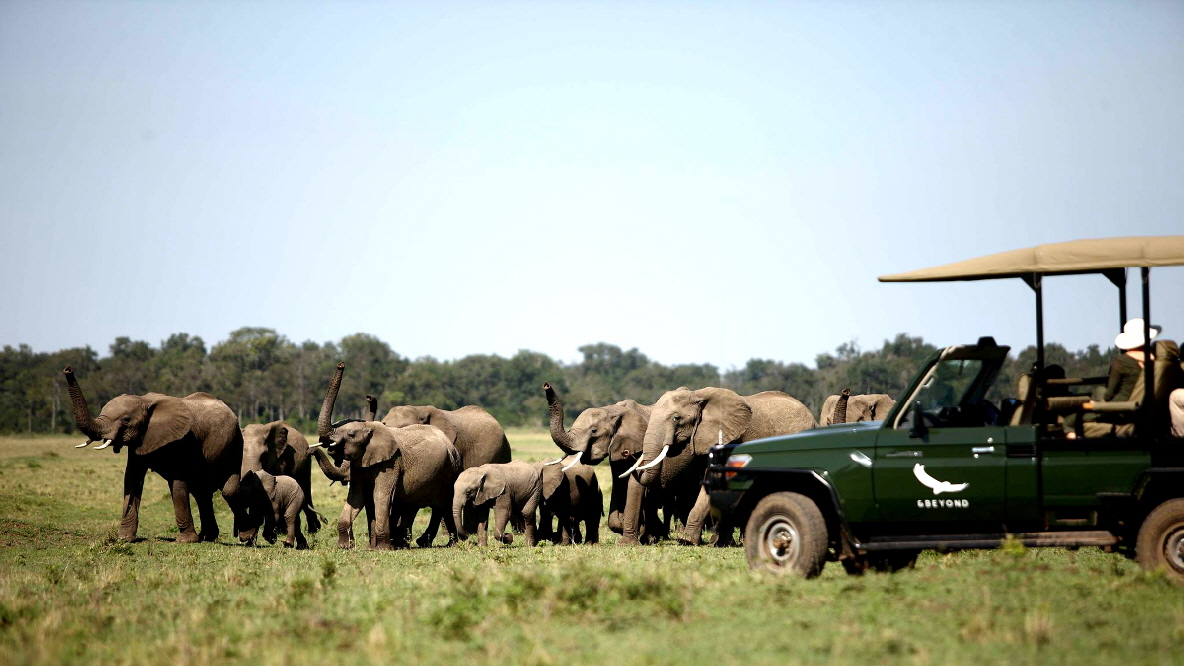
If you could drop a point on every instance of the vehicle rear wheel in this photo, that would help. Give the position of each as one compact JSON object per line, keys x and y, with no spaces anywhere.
{"x":1160,"y":544}
{"x":786,"y":534}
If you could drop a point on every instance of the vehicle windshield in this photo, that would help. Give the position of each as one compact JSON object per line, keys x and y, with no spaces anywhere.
{"x":949,"y":384}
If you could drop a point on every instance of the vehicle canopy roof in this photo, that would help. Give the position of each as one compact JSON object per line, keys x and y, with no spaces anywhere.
{"x":1095,"y":255}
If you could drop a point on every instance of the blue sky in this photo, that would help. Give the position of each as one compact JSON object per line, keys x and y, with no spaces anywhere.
{"x":709,"y":182}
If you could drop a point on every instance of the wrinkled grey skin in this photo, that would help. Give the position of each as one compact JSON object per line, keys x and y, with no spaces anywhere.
{"x":615,"y":432}
{"x":572,"y":497}
{"x":281,"y":450}
{"x":689,"y":423}
{"x":476,"y":434}
{"x":513,"y":489}
{"x":393,"y":471}
{"x":279,"y":500}
{"x":193,"y":442}
{"x":866,"y":407}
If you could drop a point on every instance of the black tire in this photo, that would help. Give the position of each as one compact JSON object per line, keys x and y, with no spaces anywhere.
{"x":1160,"y":544}
{"x":786,"y":534}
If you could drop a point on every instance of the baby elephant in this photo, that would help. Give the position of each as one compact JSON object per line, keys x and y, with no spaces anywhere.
{"x":278,"y":500}
{"x":571,"y":494}
{"x":513,"y":488}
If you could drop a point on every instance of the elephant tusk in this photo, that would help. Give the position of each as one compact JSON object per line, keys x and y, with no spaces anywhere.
{"x":314,"y":445}
{"x":574,"y":461}
{"x":106,"y":443}
{"x":554,"y":462}
{"x":630,"y":470}
{"x":84,"y":444}
{"x":656,"y":460}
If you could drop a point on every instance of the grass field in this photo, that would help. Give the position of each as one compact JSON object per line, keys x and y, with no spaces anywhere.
{"x":71,"y":593}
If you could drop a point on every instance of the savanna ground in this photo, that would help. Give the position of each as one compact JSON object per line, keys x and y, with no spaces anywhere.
{"x":71,"y":593}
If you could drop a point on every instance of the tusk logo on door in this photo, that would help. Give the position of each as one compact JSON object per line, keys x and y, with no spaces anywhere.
{"x":938,"y":487}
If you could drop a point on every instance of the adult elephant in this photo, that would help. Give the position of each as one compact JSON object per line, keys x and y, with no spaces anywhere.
{"x":615,"y":432}
{"x":193,"y":443}
{"x":684,"y":425}
{"x":281,"y":450}
{"x":847,"y":408}
{"x":476,"y":434}
{"x":392,"y":471}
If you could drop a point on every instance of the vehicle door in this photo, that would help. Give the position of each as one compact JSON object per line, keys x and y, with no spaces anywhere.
{"x":941,"y":466}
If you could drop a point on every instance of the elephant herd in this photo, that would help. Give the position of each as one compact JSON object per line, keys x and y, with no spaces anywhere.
{"x":455,"y":463}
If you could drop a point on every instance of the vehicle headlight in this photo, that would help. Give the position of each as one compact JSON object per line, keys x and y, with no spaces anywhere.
{"x":738,"y":460}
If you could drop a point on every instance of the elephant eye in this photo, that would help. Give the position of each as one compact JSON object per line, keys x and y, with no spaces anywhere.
{"x":126,"y":419}
{"x":594,"y":431}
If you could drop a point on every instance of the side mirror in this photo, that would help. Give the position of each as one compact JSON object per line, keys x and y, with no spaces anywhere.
{"x":918,"y":428}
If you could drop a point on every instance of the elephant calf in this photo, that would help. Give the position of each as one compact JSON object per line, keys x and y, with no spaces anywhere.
{"x":571,"y":494}
{"x":279,"y":500}
{"x":512,"y":488}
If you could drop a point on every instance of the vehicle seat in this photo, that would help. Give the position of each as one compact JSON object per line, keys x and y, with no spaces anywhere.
{"x":1026,"y":394}
{"x":1167,"y":375}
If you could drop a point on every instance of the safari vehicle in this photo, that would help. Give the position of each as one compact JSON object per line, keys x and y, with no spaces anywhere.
{"x":946,"y":469}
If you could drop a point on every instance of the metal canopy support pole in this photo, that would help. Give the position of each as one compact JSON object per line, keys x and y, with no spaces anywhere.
{"x":1118,"y":277}
{"x":1037,"y":284}
{"x":1148,"y":364}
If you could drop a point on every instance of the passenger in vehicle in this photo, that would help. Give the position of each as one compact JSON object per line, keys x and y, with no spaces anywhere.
{"x":1125,"y":370}
{"x":1176,"y":410}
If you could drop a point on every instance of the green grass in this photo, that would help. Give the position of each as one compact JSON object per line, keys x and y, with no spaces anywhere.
{"x":71,"y":593}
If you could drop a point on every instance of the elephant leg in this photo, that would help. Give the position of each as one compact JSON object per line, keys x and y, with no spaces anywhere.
{"x":133,"y":489}
{"x":180,"y":493}
{"x":564,"y":529}
{"x":593,"y":527}
{"x":303,"y":476}
{"x":482,"y":517}
{"x":501,"y":511}
{"x":429,"y":535}
{"x":528,"y":529}
{"x":450,"y":526}
{"x":544,"y":529}
{"x":633,"y":501}
{"x":205,"y":511}
{"x":402,"y":518}
{"x":380,"y":504}
{"x":694,"y":527}
{"x":355,"y":501}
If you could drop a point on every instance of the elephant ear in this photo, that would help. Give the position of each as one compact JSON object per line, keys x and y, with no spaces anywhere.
{"x":629,"y":437}
{"x":169,"y":419}
{"x":553,"y":480}
{"x":268,"y":482}
{"x":437,"y":417}
{"x":381,"y":445}
{"x":248,"y":482}
{"x":491,"y":486}
{"x":277,"y":440}
{"x":722,"y":409}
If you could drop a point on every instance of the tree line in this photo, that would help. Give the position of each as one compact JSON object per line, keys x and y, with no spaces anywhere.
{"x":264,"y":376}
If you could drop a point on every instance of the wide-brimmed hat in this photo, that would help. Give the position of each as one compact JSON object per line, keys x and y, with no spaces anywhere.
{"x":1132,"y":335}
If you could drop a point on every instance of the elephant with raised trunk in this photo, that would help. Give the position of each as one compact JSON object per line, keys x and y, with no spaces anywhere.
{"x":847,"y":408}
{"x":281,"y":450}
{"x":193,"y":443}
{"x":615,"y":432}
{"x":514,"y":490}
{"x":393,"y":472}
{"x":684,"y":425}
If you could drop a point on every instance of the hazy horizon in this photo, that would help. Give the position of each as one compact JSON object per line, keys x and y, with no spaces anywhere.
{"x":706,"y":182}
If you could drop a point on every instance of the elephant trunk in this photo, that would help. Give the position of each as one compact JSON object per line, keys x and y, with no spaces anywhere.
{"x":655,"y":451}
{"x":458,"y":506}
{"x":561,"y":437}
{"x":325,"y":421}
{"x":333,"y":472}
{"x":841,"y":406}
{"x":371,"y":408}
{"x":82,"y":416}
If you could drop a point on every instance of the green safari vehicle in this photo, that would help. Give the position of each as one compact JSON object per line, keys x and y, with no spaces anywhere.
{"x":946,"y":469}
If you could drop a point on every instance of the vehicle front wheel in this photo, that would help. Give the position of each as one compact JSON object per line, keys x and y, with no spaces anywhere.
{"x":1160,"y":544}
{"x":786,"y":534}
